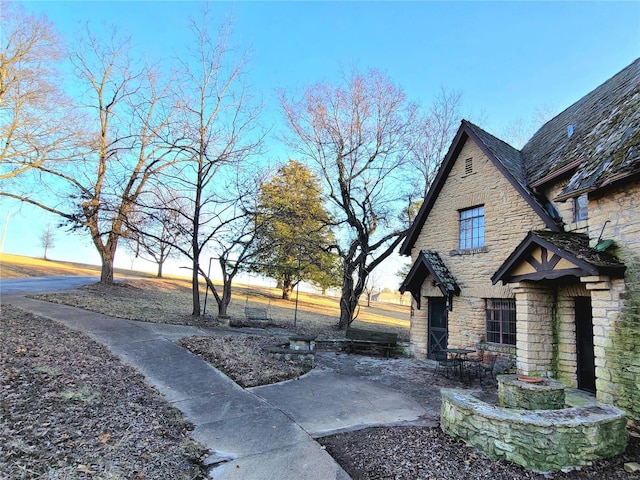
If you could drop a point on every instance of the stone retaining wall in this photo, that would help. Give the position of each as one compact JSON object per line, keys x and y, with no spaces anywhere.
{"x":538,"y":440}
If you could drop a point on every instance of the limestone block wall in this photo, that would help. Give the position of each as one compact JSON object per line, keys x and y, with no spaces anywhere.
{"x":535,"y":305}
{"x":538,"y":440}
{"x":508,"y":218}
{"x":617,"y":313}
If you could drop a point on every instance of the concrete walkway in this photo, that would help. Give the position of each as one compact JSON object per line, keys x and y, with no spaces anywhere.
{"x":260,"y":433}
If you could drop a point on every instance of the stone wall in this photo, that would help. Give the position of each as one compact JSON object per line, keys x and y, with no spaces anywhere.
{"x":534,"y":329}
{"x":508,"y":218}
{"x":538,"y":440}
{"x":618,"y":371}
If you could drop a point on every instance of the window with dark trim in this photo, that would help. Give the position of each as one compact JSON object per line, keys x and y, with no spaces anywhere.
{"x":580,"y":210}
{"x":501,"y":320}
{"x":472,"y":228}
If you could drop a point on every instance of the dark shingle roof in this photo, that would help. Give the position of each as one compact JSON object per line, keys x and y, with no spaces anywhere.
{"x":605,"y":138}
{"x":502,"y":151}
{"x":430,"y":263}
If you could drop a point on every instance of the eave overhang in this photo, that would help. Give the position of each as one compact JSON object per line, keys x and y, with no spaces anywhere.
{"x":465,"y":132}
{"x":544,"y":255}
{"x":428,"y":264}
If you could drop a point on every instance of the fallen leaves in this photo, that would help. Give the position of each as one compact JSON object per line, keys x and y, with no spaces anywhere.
{"x":65,"y":399}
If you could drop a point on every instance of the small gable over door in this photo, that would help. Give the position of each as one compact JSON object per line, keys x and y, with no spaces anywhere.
{"x":544,"y":255}
{"x":429,"y":264}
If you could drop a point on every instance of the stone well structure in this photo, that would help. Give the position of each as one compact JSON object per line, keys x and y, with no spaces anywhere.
{"x":527,"y":393}
{"x":538,"y":440}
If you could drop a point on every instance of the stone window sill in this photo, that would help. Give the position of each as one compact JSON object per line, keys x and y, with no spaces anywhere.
{"x":469,"y":251}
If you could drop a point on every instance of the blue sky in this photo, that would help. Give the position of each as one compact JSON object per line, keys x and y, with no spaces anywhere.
{"x":507,"y":58}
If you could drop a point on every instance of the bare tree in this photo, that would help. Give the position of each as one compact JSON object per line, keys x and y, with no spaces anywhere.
{"x":233,"y":242}
{"x":370,"y":287}
{"x":154,"y":231}
{"x":519,"y":131}
{"x":47,"y":240}
{"x":437,"y":127}
{"x":36,"y":124}
{"x":216,"y":136}
{"x":359,"y":136}
{"x":98,"y":187}
{"x":231,"y":231}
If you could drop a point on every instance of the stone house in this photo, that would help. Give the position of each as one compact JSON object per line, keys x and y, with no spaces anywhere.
{"x":535,"y":253}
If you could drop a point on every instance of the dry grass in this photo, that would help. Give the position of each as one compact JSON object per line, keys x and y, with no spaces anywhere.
{"x":18,"y":266}
{"x":168,"y":300}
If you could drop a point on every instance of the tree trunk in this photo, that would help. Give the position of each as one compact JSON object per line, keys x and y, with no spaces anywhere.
{"x":159,"y":274}
{"x":351,"y":292}
{"x":347,"y":305}
{"x":224,"y":301}
{"x":106,"y":273}
{"x":287,"y":287}
{"x":195,"y":290}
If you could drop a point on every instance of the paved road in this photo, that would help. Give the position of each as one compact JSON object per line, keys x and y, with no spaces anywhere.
{"x":44,"y":284}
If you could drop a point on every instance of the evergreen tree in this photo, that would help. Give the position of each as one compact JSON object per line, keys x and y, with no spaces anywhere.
{"x":295,"y":230}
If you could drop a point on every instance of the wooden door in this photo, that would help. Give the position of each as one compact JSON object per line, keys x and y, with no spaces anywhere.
{"x":437,"y":328}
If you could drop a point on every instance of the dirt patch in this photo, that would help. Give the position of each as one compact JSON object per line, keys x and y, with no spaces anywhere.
{"x":71,"y":410}
{"x":243,"y":358}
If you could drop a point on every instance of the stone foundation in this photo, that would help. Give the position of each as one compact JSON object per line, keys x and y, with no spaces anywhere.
{"x":538,"y":440}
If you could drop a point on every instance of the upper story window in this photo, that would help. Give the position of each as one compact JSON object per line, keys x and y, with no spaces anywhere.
{"x":580,"y":208}
{"x":472,"y":228}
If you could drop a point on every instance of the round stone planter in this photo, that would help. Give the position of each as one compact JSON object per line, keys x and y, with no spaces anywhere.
{"x":526,"y":393}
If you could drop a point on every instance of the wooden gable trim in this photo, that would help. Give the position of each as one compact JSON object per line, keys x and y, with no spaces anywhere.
{"x":543,"y":268}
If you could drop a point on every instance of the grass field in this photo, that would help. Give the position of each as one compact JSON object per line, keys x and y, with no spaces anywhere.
{"x":168,"y":299}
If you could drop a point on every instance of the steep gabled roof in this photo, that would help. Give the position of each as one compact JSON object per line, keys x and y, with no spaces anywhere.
{"x":598,"y":136}
{"x":596,"y":141}
{"x":501,"y":154}
{"x":551,"y":255}
{"x":429,"y":263}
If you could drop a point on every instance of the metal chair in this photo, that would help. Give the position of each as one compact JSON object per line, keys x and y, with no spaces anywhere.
{"x":481,"y":369}
{"x":443,"y":363}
